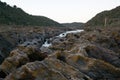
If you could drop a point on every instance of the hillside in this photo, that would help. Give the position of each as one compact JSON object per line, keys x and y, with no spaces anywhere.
{"x":74,"y":24}
{"x":16,"y":16}
{"x":106,"y":18}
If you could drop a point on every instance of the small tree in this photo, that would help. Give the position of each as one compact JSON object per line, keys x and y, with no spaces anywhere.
{"x":14,"y":6}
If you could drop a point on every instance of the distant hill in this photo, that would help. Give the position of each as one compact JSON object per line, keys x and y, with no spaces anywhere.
{"x":74,"y":24}
{"x":106,"y":18}
{"x":16,"y":16}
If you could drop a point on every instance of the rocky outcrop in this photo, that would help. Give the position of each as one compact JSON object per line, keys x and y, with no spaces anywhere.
{"x":21,"y":56}
{"x":98,"y":49}
{"x":89,"y":55}
{"x":14,"y":36}
{"x":49,"y":69}
{"x":96,"y":69}
{"x":103,"y":54}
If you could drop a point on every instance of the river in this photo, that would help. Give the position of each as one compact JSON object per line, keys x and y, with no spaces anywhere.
{"x":48,"y":44}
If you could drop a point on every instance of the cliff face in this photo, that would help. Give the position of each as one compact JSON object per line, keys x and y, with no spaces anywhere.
{"x":89,"y":55}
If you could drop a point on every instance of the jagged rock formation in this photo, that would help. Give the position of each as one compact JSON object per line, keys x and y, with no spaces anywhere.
{"x":14,"y":36}
{"x":89,"y":55}
{"x":49,"y":69}
{"x":95,"y":52}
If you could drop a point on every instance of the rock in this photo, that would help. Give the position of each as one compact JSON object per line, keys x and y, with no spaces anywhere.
{"x":60,"y":55}
{"x":103,"y":54}
{"x":92,"y":54}
{"x":95,"y":69}
{"x":14,"y":36}
{"x":15,"y":60}
{"x":19,"y":57}
{"x":46,"y":50}
{"x":5,"y":47}
{"x":49,"y":69}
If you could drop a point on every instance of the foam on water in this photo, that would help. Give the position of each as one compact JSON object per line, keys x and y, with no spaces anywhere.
{"x":67,"y":32}
{"x":46,"y":44}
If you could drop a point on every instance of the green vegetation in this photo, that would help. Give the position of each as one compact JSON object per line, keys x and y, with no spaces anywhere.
{"x":16,"y":16}
{"x":106,"y":18}
{"x":74,"y":24}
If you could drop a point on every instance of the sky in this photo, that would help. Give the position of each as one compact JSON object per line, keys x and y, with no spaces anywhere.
{"x":65,"y":11}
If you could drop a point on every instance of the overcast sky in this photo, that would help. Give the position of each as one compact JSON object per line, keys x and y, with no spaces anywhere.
{"x":65,"y":10}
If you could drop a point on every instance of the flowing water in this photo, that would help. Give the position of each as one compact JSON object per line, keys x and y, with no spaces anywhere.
{"x":47,"y":43}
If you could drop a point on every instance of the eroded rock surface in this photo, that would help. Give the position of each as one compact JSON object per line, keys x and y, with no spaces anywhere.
{"x":89,"y":55}
{"x":13,"y":36}
{"x":49,"y":69}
